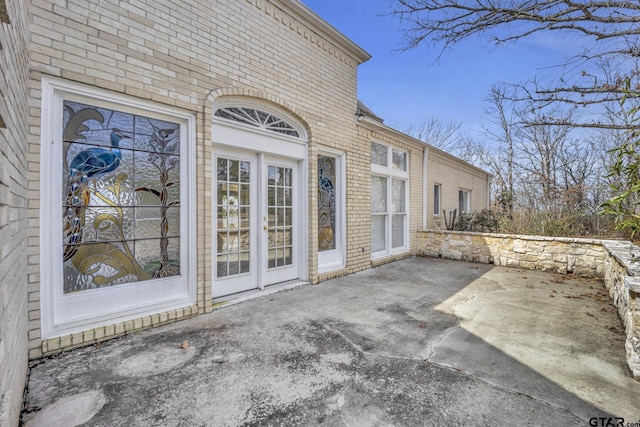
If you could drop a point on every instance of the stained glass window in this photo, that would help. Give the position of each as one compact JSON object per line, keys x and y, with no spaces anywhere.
{"x":326,"y":203}
{"x":258,"y":118}
{"x":120,"y":197}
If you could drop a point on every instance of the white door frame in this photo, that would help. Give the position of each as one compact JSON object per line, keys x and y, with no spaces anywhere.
{"x":227,"y":136}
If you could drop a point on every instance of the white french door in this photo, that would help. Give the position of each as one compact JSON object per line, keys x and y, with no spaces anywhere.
{"x":280,"y":220}
{"x":256,"y":221}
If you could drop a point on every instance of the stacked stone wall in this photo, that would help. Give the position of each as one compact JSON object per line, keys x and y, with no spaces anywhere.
{"x":614,"y":261}
{"x":622,"y":278}
{"x":582,"y":257}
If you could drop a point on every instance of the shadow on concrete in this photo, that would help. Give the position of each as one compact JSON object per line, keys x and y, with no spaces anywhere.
{"x":415,"y":342}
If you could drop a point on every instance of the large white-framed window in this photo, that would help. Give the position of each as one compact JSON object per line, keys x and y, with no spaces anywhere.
{"x":331,"y":210}
{"x":436,"y":199}
{"x":117,"y":208}
{"x":389,"y":200}
{"x":464,"y":201}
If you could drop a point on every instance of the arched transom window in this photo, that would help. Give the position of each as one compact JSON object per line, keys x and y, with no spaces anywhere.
{"x":258,"y":118}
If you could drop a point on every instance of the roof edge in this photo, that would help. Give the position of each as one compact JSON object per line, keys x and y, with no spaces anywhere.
{"x":303,"y":11}
{"x":365,"y":111}
{"x":375,"y":125}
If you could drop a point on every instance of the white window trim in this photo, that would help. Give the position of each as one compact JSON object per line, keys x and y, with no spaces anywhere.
{"x":336,"y":259}
{"x":65,"y":314}
{"x":390,"y":173}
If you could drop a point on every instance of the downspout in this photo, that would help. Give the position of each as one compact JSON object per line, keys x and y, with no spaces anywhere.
{"x":425,"y":195}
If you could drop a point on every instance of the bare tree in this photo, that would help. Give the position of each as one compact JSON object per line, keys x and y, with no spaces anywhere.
{"x":539,"y":155}
{"x":447,"y":137}
{"x":500,"y":114}
{"x":547,"y":179}
{"x":604,"y":72}
{"x":433,"y":131}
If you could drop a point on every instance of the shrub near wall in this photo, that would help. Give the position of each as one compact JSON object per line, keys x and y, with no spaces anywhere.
{"x":611,"y":260}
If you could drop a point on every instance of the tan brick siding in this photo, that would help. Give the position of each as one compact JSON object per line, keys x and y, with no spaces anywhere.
{"x":187,"y":54}
{"x":14,"y":200}
{"x":452,"y":176}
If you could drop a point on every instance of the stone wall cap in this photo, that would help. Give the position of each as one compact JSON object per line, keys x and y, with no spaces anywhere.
{"x":626,"y":253}
{"x":633,"y":284}
{"x":520,"y":236}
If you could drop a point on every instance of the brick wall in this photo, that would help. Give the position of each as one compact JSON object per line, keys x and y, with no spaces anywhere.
{"x":188,"y":55}
{"x":14,"y":194}
{"x":453,"y":176}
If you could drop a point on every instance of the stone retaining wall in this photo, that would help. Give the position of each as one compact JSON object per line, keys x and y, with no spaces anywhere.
{"x":611,"y":260}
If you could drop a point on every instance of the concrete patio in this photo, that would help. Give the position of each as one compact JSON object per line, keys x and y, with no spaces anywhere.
{"x":415,"y":342}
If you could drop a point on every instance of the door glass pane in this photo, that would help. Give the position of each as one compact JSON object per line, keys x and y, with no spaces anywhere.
{"x":280,"y":221}
{"x":223,"y":170}
{"x":280,"y":177}
{"x":222,"y":265}
{"x":233,"y":217}
{"x":233,"y":170}
{"x":244,"y":172}
{"x":326,"y":203}
{"x":397,"y":231}
{"x":244,"y":217}
{"x":271,"y":178}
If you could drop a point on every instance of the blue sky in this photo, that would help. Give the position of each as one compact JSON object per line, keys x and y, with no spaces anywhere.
{"x":408,"y":87}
